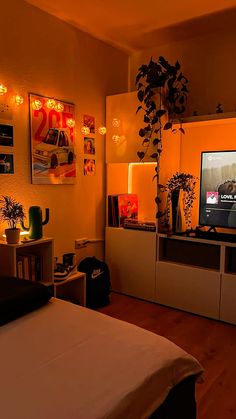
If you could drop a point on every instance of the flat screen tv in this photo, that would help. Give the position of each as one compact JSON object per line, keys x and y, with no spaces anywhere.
{"x":218,"y":189}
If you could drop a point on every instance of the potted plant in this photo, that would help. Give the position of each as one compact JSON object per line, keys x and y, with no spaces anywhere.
{"x":185,"y":182}
{"x":12,"y":212}
{"x":162,"y":92}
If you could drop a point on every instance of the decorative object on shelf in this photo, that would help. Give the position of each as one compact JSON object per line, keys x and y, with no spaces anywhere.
{"x":219,"y":108}
{"x":162,"y":92}
{"x":35,"y":222}
{"x":12,"y":212}
{"x":185,"y":182}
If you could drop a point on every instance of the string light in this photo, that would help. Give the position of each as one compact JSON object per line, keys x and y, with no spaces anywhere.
{"x":59,"y":107}
{"x":51,"y":103}
{"x":85,"y":130}
{"x":116,"y":122}
{"x":70,"y":123}
{"x":3,"y":89}
{"x":19,"y":99}
{"x":116,"y":139}
{"x":37,"y":104}
{"x":102,"y":130}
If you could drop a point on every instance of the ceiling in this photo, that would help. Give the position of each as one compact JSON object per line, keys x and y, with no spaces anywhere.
{"x":132,"y":25}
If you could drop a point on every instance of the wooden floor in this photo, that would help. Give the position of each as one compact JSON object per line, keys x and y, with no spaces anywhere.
{"x":213,"y":343}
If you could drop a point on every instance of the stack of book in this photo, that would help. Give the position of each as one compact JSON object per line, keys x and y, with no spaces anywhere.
{"x":29,"y":267}
{"x":121,"y":207}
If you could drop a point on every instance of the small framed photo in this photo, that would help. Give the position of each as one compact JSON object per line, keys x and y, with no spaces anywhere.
{"x":6,"y":163}
{"x":89,"y":145}
{"x":89,"y":167}
{"x":6,"y":135}
{"x":89,"y":121}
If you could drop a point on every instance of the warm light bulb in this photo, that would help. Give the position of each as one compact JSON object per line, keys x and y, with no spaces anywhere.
{"x":3,"y":89}
{"x":85,"y":130}
{"x":115,"y":138}
{"x":37,"y":104}
{"x":116,"y":122}
{"x":50,"y":103}
{"x":70,"y":123}
{"x":19,"y":99}
{"x":59,"y":107}
{"x":102,"y":130}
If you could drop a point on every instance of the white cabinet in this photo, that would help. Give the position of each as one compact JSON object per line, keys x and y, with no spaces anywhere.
{"x":131,"y":256}
{"x":188,"y":288}
{"x":197,"y":275}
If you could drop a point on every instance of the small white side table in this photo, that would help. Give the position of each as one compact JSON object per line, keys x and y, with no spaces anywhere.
{"x":73,"y":288}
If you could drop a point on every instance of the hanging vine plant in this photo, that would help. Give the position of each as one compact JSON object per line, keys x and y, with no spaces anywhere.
{"x":162,"y":91}
{"x":185,"y":182}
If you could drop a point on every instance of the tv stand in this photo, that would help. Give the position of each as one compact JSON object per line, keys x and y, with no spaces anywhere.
{"x":197,"y":275}
{"x":212,"y":234}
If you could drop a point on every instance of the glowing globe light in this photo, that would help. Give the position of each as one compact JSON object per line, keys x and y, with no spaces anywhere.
{"x":19,"y":99}
{"x":3,"y":89}
{"x":37,"y":104}
{"x":116,"y":122}
{"x":59,"y":107}
{"x":85,"y":130}
{"x":102,"y":130}
{"x":116,"y":139}
{"x":70,"y":123}
{"x":50,"y":103}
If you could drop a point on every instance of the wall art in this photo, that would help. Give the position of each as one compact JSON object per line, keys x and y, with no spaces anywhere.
{"x":89,"y":121}
{"x":89,"y":167}
{"x":6,"y":163}
{"x":52,"y":140}
{"x":89,"y":145}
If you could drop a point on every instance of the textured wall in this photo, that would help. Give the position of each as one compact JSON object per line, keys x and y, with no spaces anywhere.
{"x":41,"y":54}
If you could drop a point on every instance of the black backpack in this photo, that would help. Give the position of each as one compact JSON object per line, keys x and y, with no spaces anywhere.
{"x":97,"y":282}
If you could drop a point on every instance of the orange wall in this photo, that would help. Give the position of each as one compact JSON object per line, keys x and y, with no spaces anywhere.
{"x":207,"y":58}
{"x":42,"y":54}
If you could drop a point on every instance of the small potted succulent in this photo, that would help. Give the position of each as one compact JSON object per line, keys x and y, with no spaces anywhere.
{"x":12,"y":212}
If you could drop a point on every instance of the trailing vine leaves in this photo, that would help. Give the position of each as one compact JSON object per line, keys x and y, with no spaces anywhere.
{"x":162,"y":93}
{"x":185,"y":182}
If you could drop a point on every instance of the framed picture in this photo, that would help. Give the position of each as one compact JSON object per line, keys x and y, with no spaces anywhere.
{"x":6,"y":163}
{"x":52,"y":140}
{"x":89,"y":167}
{"x":89,"y":145}
{"x":6,"y":135}
{"x":89,"y":121}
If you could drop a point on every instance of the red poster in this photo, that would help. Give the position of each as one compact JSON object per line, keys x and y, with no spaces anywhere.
{"x":52,"y":140}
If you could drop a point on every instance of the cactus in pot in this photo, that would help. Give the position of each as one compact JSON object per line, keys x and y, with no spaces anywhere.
{"x":36,"y":222}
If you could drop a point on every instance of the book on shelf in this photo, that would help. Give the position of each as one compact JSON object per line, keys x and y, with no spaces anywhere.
{"x":29,"y":267}
{"x":121,"y":207}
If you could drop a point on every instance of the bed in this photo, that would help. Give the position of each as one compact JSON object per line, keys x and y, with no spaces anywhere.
{"x":64,"y":361}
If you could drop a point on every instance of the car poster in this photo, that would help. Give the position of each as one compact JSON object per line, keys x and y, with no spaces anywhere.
{"x":52,"y":140}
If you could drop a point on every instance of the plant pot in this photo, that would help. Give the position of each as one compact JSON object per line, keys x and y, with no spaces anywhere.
{"x":12,"y":235}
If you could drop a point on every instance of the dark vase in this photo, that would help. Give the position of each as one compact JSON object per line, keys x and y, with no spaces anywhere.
{"x":175,"y":210}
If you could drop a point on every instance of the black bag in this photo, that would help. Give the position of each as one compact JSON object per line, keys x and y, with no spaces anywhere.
{"x":97,"y":282}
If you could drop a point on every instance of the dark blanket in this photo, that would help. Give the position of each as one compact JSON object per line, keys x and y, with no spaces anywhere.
{"x":20,"y":296}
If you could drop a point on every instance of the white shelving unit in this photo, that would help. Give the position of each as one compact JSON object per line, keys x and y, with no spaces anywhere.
{"x":197,"y":275}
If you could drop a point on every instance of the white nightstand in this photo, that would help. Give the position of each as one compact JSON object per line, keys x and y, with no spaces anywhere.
{"x":73,"y":288}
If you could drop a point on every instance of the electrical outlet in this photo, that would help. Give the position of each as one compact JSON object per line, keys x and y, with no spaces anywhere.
{"x":81,"y":242}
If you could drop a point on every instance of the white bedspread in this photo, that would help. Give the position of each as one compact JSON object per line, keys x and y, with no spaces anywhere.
{"x":67,"y":362}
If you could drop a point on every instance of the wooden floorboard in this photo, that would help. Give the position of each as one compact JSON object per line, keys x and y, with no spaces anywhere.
{"x":213,"y":343}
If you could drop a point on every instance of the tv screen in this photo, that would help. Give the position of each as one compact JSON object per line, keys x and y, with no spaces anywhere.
{"x":218,"y":189}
